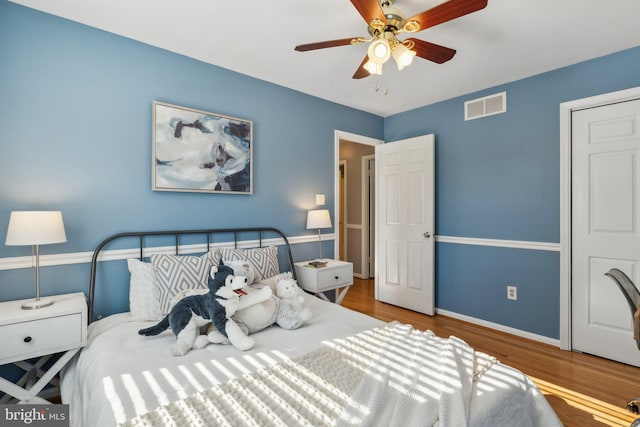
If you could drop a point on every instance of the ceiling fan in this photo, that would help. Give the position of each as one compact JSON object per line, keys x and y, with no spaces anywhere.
{"x":385,"y":23}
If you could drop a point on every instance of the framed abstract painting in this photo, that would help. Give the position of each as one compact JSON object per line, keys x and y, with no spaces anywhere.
{"x":199,"y":151}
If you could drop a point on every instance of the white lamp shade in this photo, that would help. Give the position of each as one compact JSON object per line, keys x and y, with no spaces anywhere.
{"x":318,"y":218}
{"x":373,"y":68}
{"x":35,"y":228}
{"x":379,"y":51}
{"x":403,"y":56}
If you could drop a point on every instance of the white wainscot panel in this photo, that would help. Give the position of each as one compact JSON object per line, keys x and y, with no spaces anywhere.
{"x":393,"y":199}
{"x":393,"y":159}
{"x":416,"y":273}
{"x":612,"y":130}
{"x":416,"y":156}
{"x":607,"y":306}
{"x":393,"y":263}
{"x":415,"y":197}
{"x":613,"y":193}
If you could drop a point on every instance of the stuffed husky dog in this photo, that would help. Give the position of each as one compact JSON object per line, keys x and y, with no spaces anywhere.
{"x":216,"y":306}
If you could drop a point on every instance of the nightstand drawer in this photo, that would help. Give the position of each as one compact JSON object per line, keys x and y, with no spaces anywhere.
{"x":335,"y":276}
{"x":34,"y":338}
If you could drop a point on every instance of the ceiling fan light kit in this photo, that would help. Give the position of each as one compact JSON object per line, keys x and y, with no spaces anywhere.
{"x":402,"y":56}
{"x":373,"y":68}
{"x":379,"y":51}
{"x":385,"y":23}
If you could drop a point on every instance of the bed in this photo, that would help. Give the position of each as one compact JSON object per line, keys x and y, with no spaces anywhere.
{"x":340,"y":368}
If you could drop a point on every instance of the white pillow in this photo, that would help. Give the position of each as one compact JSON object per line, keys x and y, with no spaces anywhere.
{"x":143,"y":298}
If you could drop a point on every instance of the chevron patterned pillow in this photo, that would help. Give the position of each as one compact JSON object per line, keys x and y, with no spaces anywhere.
{"x":175,"y":273}
{"x":263,"y":260}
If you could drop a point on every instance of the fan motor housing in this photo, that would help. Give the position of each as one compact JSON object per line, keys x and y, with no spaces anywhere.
{"x":395,"y":20}
{"x":394,"y":16}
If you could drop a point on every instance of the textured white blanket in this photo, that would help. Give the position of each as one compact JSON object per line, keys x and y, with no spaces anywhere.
{"x":393,"y":375}
{"x":416,"y":379}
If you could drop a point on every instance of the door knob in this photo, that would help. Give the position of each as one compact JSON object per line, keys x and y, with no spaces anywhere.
{"x":426,"y":234}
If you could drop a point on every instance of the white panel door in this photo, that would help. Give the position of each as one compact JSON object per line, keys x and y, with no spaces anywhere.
{"x":605,"y":222}
{"x":405,"y":223}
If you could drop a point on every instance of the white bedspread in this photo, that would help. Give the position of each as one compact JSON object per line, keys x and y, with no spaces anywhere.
{"x":120,"y":375}
{"x":416,"y":378}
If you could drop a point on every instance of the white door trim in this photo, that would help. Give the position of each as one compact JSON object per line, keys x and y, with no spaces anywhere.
{"x":566,"y":109}
{"x":351,"y":137}
{"x":365,"y":255}
{"x":342,"y":163}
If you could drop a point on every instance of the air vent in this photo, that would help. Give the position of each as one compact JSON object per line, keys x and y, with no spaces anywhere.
{"x":487,"y":106}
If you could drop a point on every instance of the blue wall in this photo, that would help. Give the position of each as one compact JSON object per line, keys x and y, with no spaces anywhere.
{"x":75,"y":115}
{"x":499,"y":178}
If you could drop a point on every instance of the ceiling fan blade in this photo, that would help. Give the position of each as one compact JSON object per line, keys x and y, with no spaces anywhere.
{"x":432,"y":52}
{"x":446,"y":12}
{"x":326,"y":44}
{"x":369,"y":9}
{"x":361,"y":73}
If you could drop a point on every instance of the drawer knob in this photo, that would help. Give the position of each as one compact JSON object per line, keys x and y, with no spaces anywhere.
{"x":336,"y":277}
{"x":27,"y":339}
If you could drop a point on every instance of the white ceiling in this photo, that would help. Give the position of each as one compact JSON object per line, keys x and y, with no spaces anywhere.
{"x":506,"y":41}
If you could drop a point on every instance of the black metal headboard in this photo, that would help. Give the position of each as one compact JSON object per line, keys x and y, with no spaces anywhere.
{"x":260,"y":232}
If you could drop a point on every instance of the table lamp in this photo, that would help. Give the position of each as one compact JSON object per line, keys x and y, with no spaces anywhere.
{"x":35,"y":228}
{"x":318,"y":218}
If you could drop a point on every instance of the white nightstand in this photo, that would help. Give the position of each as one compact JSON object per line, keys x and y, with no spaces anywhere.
{"x":40,"y":333}
{"x":336,"y":275}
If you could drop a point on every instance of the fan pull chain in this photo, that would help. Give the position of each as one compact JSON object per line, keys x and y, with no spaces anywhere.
{"x":381,"y":85}
{"x":377,"y":89}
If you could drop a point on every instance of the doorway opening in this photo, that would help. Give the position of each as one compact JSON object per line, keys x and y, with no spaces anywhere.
{"x":355,"y":195}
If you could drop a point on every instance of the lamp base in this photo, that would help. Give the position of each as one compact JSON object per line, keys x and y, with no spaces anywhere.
{"x":37,"y":303}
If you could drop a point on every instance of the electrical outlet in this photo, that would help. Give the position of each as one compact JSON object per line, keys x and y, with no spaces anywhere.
{"x":512,"y":292}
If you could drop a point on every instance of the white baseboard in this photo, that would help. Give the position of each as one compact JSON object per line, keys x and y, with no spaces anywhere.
{"x":499,"y":327}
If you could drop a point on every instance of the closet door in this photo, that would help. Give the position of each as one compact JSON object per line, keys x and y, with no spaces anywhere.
{"x":605,"y":227}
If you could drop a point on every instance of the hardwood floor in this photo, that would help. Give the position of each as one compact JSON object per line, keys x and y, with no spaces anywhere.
{"x":584,"y":390}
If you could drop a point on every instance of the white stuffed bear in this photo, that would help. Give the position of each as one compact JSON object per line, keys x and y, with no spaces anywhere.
{"x":292,"y":312}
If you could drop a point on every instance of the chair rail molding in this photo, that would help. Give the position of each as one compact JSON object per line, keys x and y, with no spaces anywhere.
{"x":14,"y":263}
{"x":515,"y":244}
